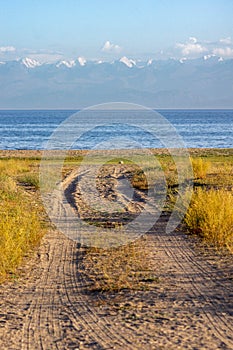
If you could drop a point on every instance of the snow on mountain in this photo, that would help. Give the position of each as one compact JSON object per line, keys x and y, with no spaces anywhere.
{"x":182,"y":60}
{"x":128,"y":62}
{"x":82,"y":61}
{"x":68,"y":64}
{"x":207,"y":57}
{"x":140,"y":63}
{"x":150,"y":61}
{"x":197,"y":83}
{"x":30,"y":63}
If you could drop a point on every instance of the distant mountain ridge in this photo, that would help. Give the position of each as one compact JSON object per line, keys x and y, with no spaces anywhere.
{"x":205,"y":82}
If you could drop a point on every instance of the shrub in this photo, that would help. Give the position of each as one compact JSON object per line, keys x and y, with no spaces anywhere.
{"x":200,"y":168}
{"x":139,"y":180}
{"x":210,"y":215}
{"x":30,"y":179}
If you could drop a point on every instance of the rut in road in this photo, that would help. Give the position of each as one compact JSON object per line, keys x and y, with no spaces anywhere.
{"x":50,"y":308}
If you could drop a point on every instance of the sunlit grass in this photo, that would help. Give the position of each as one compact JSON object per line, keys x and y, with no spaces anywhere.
{"x":29,"y":179}
{"x":21,"y":227}
{"x":13,"y":167}
{"x":200,"y":167}
{"x":210,"y":215}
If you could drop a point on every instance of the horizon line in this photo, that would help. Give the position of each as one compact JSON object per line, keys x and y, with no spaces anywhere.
{"x":83,"y":108}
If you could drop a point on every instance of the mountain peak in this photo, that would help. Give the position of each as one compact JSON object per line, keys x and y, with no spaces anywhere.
{"x":150,"y":61}
{"x":207,"y":57}
{"x":30,"y":62}
{"x":82,"y":61}
{"x":68,"y":64}
{"x":182,"y":60}
{"x":128,"y":62}
{"x":160,"y":84}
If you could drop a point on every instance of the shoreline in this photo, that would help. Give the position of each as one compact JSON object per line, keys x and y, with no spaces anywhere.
{"x":73,"y":153}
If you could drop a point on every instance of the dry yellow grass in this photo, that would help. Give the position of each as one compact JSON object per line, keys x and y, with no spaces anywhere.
{"x":20,"y":225}
{"x":13,"y":167}
{"x":200,"y":168}
{"x":139,"y":180}
{"x":210,"y":215}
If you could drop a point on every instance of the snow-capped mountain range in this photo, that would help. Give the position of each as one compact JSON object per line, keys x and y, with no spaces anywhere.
{"x":81,"y":61}
{"x":206,"y":82}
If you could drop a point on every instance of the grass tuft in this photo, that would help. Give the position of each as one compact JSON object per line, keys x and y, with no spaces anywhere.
{"x":200,"y":168}
{"x":210,"y":215}
{"x":139,"y":180}
{"x":30,"y":179}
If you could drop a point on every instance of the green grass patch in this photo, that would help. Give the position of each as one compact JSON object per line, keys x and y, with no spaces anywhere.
{"x":30,"y":179}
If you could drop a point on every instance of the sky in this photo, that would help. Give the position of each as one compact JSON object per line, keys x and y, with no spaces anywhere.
{"x":50,"y":30}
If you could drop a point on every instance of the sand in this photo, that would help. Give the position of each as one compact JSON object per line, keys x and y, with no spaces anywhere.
{"x":49,"y":307}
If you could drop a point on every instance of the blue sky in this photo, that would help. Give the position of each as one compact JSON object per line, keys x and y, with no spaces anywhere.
{"x":54,"y":29}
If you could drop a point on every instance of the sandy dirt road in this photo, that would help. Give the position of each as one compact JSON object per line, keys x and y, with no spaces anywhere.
{"x":191,"y":307}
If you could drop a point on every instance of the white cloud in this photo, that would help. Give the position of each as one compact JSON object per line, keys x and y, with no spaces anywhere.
{"x":45,"y":58}
{"x":4,"y":49}
{"x":193,"y":40}
{"x":110,"y":47}
{"x":226,"y":41}
{"x":191,"y":47}
{"x":223,"y":52}
{"x":224,"y":48}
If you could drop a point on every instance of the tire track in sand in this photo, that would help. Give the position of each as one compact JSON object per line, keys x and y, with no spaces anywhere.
{"x":200,"y":279}
{"x":202,"y":282}
{"x":57,"y":313}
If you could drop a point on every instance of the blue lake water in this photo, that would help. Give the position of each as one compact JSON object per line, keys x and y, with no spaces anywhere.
{"x":197,"y":128}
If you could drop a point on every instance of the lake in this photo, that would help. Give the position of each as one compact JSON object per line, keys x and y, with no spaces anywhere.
{"x":31,"y":129}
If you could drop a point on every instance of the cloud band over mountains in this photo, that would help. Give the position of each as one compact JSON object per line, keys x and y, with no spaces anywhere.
{"x":191,"y":48}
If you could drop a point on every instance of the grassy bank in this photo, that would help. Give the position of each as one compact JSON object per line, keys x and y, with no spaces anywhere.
{"x":21,"y":226}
